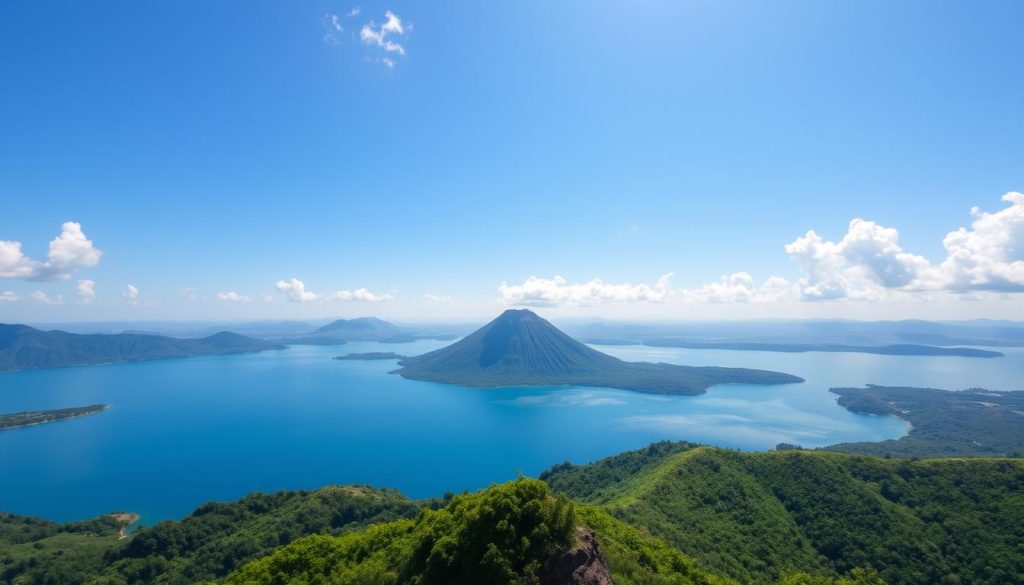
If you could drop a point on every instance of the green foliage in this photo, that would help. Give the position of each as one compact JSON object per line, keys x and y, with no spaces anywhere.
{"x":760,"y":516}
{"x":501,"y":535}
{"x":972,"y":422}
{"x":208,"y":544}
{"x":33,"y":550}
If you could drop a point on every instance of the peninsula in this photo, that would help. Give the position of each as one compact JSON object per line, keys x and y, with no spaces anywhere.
{"x":23,"y":347}
{"x":521,"y":349}
{"x":27,"y":418}
{"x":972,"y":422}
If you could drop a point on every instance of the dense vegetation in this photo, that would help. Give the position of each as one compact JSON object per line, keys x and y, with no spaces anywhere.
{"x":755,"y":516}
{"x":898,"y":349}
{"x":521,"y":349}
{"x":945,"y":424}
{"x":214,"y":540}
{"x":34,"y":417}
{"x":672,"y":513}
{"x":23,"y":347}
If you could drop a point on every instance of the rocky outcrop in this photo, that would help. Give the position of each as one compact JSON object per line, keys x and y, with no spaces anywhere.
{"x":582,"y":565}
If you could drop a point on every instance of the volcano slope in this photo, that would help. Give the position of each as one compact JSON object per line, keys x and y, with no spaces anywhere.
{"x":519,"y":348}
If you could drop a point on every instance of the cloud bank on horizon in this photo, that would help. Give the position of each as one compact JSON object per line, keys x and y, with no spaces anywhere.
{"x":868,"y":263}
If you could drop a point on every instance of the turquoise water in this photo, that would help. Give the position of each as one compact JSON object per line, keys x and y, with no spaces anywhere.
{"x":182,"y":432}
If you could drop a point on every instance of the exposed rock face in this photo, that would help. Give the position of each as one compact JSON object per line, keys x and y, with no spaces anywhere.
{"x":583,"y":565}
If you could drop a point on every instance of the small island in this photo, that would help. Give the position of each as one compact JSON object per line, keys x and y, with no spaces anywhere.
{"x":27,"y":418}
{"x":371,"y":355}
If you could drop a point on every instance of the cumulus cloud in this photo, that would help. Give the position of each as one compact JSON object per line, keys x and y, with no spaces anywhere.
{"x":384,"y":36}
{"x":867,"y":261}
{"x":295,"y":290}
{"x":68,"y":253}
{"x":233,"y":297}
{"x":131,"y":294}
{"x":546,"y":292}
{"x":8,"y":296}
{"x":86,"y":290}
{"x":989,"y":255}
{"x":739,"y":287}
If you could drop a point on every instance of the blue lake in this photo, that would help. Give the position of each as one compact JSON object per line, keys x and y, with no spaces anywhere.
{"x":182,"y":432}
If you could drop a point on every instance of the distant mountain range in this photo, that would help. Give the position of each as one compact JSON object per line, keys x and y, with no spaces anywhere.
{"x":806,"y":332}
{"x":521,"y":349}
{"x":23,"y":347}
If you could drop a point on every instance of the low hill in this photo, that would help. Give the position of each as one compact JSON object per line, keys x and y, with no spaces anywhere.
{"x":23,"y":347}
{"x":521,"y":349}
{"x":362,"y":329}
{"x":754,"y":516}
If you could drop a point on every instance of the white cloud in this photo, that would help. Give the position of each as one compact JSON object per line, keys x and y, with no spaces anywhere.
{"x":69,"y":252}
{"x":383,"y":36}
{"x":545,"y":292}
{"x":360,"y":294}
{"x":990,"y":255}
{"x":86,"y":290}
{"x":189,"y":292}
{"x":739,"y":287}
{"x":869,"y":263}
{"x":8,"y":296}
{"x":232,"y":296}
{"x":295,"y":290}
{"x":866,"y":262}
{"x":131,"y":294}
{"x":353,"y":12}
{"x":44,"y":299}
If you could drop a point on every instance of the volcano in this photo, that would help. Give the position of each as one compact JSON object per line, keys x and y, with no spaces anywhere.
{"x":519,"y":348}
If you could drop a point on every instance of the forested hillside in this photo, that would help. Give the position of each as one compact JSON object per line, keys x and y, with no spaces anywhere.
{"x":754,"y":516}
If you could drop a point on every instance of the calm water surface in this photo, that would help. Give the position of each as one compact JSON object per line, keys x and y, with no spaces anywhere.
{"x":182,"y":432}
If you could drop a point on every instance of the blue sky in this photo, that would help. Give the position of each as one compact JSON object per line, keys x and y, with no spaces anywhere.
{"x":428,"y":153}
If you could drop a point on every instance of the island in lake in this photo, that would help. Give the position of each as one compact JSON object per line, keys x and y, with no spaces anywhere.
{"x":944,"y":423}
{"x":16,"y":420}
{"x":521,"y":349}
{"x":371,"y":355}
{"x":23,"y":347}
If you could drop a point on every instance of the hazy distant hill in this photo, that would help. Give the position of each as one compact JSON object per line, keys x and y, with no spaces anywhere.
{"x":361,"y":329}
{"x":814,"y":332}
{"x":24,"y":347}
{"x":521,"y":349}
